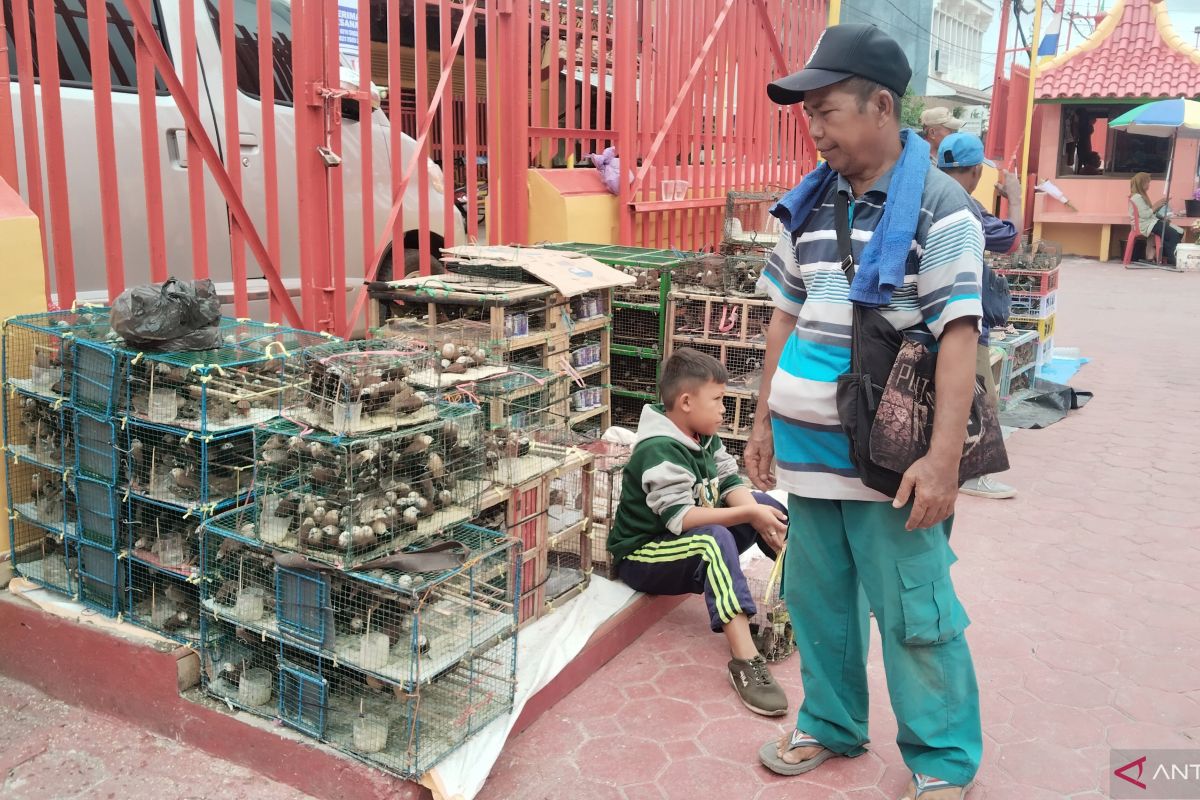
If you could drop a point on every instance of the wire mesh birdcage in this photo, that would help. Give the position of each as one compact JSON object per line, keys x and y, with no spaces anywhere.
{"x":163,"y":600}
{"x":99,"y":579}
{"x":344,"y":500}
{"x":163,"y":537}
{"x":239,"y":384}
{"x":771,"y":626}
{"x":749,"y":225}
{"x":186,"y":470}
{"x":37,"y":349}
{"x":37,"y":429}
{"x":568,"y":519}
{"x":41,"y":556}
{"x":741,"y":273}
{"x":41,"y":496}
{"x":98,"y":448}
{"x":352,"y":388}
{"x":406,"y":617}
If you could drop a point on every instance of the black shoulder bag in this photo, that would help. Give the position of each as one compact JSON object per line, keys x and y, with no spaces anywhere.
{"x":886,"y":401}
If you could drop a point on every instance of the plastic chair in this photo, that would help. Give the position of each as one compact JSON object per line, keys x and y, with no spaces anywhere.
{"x":1135,"y":234}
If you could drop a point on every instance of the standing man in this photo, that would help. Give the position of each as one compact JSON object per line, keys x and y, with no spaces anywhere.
{"x":937,"y":124}
{"x":960,"y":155}
{"x":924,"y":274}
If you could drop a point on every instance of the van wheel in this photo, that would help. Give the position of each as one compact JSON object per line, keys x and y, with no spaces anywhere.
{"x":412,"y":264}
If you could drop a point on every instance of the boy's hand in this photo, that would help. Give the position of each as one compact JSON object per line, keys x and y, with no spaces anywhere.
{"x":771,"y":524}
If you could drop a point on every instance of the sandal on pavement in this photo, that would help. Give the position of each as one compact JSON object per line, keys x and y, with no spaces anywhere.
{"x":768,"y":754}
{"x":924,"y":787}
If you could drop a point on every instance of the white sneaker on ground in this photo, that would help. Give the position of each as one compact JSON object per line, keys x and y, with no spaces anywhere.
{"x":987,"y":486}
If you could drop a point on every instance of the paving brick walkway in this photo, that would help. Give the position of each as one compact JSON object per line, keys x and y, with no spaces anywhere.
{"x":1084,"y":594}
{"x":52,"y":751}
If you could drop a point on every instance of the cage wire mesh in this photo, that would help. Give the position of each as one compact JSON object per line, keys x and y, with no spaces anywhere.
{"x":37,"y":349}
{"x":344,"y":500}
{"x":163,"y":537}
{"x":745,"y":366}
{"x":525,"y":413}
{"x":100,"y":511}
{"x":748,"y":222}
{"x":386,"y":618}
{"x":352,"y":388}
{"x":568,"y":520}
{"x":607,"y":472}
{"x":99,"y":579}
{"x":163,"y":601}
{"x":701,"y":274}
{"x":42,"y":496}
{"x":37,"y":429}
{"x":741,"y":273}
{"x":41,"y":556}
{"x":99,"y":447}
{"x":634,"y":374}
{"x":627,"y":409}
{"x":239,"y":667}
{"x":186,"y":470}
{"x":467,"y":346}
{"x":771,"y":626}
{"x":636,"y":327}
{"x":239,"y":384}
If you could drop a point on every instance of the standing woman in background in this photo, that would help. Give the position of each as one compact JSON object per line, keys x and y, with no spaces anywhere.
{"x":1152,"y":217}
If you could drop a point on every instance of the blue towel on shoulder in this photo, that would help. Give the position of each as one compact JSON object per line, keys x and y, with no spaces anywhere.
{"x":881,"y":267}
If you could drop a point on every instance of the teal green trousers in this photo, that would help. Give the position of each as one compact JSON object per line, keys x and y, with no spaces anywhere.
{"x":834,"y":548}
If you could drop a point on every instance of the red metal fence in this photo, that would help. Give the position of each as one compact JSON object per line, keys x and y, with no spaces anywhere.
{"x":158,"y":138}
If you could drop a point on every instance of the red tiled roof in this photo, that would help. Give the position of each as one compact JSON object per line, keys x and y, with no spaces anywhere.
{"x":1134,"y":52}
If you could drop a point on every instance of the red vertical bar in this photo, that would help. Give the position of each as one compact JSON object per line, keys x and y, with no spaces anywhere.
{"x":569,"y":72}
{"x":29,"y":130}
{"x":720,"y":165}
{"x":233,"y":152}
{"x":449,"y":142}
{"x":422,"y":81}
{"x":603,"y":29}
{"x":626,"y":107}
{"x":9,"y":169}
{"x":367,"y":143}
{"x":56,"y":159}
{"x":585,"y":83}
{"x":191,"y":85}
{"x":471,"y":149}
{"x":106,"y":155}
{"x":266,"y":93}
{"x":312,"y":179}
{"x":151,"y":176}
{"x":554,"y":70}
{"x":538,"y":115}
{"x":395,"y":102}
{"x":335,"y":289}
{"x":495,"y":96}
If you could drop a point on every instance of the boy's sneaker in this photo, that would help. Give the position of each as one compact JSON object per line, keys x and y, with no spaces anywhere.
{"x":756,"y":687}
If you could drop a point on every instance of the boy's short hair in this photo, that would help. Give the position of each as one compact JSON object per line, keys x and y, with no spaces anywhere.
{"x":687,"y":369}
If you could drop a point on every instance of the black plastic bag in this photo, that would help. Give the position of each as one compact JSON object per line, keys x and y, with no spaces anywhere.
{"x":174,"y":315}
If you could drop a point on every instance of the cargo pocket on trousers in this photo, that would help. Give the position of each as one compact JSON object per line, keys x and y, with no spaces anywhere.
{"x":932,"y":613}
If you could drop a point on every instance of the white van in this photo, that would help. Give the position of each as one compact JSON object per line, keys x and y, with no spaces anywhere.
{"x":81,"y":152}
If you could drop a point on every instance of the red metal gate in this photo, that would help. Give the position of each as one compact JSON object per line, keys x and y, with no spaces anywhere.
{"x":159,"y":137}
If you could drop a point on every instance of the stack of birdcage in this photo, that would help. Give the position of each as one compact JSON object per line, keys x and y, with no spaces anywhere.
{"x":121,"y":453}
{"x":353,"y":600}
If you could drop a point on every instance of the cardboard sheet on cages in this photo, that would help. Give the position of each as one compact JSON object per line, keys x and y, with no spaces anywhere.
{"x":569,"y":273}
{"x":544,"y":649}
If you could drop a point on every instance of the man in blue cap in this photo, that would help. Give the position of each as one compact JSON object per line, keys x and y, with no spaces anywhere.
{"x":877,"y":226}
{"x":960,"y":155}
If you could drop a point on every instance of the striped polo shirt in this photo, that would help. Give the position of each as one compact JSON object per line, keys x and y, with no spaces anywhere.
{"x":804,"y":278}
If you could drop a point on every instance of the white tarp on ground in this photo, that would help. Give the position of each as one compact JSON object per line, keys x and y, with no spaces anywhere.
{"x":544,"y":649}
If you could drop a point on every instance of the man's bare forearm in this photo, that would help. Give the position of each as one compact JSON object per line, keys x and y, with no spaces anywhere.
{"x":781,"y":327}
{"x":955,"y":382}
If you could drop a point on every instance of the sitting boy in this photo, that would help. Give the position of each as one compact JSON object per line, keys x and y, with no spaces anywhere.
{"x":685,"y":516}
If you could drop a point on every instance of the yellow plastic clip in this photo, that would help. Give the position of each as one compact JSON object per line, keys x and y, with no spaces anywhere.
{"x":123,"y":421}
{"x":194,"y":580}
{"x":217,"y":369}
{"x":120,"y":616}
{"x":244,"y":319}
{"x":205,"y":379}
{"x":68,"y":335}
{"x":66,"y":473}
{"x":137,"y":359}
{"x":191,"y":435}
{"x":187,"y":513}
{"x":282,"y":350}
{"x":264,"y":638}
{"x":125,"y":497}
{"x":327,"y":334}
{"x":269,"y":324}
{"x":58,"y":404}
{"x":13,"y":516}
{"x":12,"y":392}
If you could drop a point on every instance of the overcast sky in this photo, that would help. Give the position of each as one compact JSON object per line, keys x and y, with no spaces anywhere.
{"x":1184,"y":22}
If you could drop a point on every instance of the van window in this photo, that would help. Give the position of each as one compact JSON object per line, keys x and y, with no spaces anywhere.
{"x":245,"y":33}
{"x":74,"y":53}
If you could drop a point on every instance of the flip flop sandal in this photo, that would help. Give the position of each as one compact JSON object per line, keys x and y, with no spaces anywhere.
{"x":768,"y":754}
{"x":923,"y":784}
